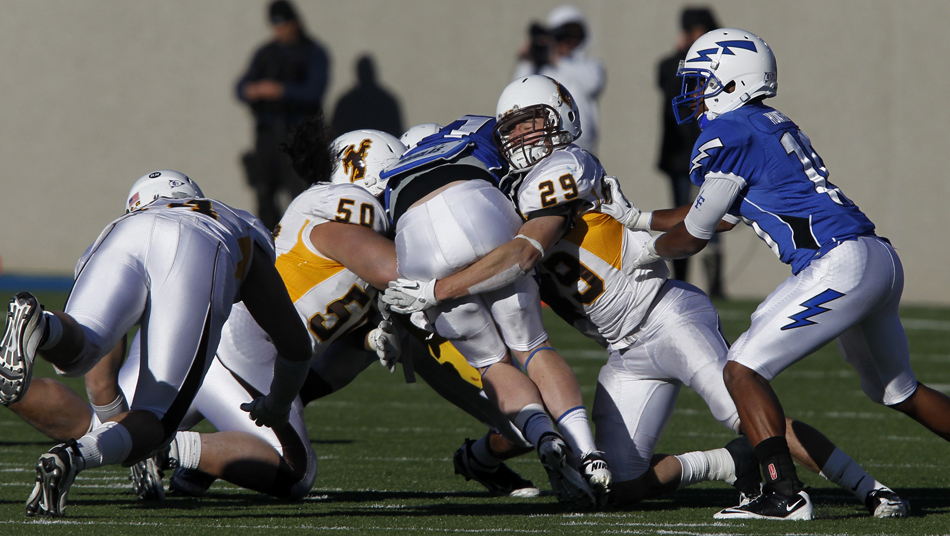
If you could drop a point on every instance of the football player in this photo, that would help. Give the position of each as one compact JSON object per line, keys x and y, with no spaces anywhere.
{"x":448,"y":212}
{"x":174,"y":263}
{"x":661,"y":333}
{"x":754,"y":164}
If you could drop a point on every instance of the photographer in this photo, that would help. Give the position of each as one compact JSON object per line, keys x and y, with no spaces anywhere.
{"x":558,"y":50}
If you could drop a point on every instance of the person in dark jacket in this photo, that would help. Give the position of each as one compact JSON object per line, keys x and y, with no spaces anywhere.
{"x":677,"y":141}
{"x":284,"y":84}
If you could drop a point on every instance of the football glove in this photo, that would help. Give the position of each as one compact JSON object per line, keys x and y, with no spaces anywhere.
{"x":618,"y":207}
{"x":384,"y":340}
{"x":406,"y":296}
{"x":263,"y":414}
{"x":648,"y":255}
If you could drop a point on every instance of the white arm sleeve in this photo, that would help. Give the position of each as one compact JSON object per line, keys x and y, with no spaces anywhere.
{"x":712,"y":203}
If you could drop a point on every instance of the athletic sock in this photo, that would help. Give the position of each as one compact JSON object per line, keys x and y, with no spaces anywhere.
{"x":534,"y":422}
{"x":186,"y":448}
{"x":482,"y":456}
{"x":778,"y":469}
{"x":108,"y":444}
{"x":116,"y":407}
{"x":848,"y":474}
{"x":700,"y":466}
{"x":575,"y":427}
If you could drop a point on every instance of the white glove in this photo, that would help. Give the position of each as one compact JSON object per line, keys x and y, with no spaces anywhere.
{"x":406,"y":296}
{"x":264,"y":415}
{"x":384,"y":340}
{"x":648,"y":255}
{"x":618,"y":207}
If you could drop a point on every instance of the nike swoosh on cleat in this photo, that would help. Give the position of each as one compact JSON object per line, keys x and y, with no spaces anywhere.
{"x":792,"y":507}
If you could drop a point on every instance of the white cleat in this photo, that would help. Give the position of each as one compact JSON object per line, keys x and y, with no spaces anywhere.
{"x":596,"y":473}
{"x":18,"y":347}
{"x":568,"y":485}
{"x":883,"y":502}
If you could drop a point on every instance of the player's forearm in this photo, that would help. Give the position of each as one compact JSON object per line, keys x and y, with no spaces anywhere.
{"x":665,"y":219}
{"x":678,"y":243}
{"x":500,"y":268}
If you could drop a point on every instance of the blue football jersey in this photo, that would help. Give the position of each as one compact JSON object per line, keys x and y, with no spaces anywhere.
{"x":787,"y":197}
{"x":469,"y":140}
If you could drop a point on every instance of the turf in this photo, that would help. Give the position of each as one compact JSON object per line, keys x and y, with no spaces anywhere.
{"x":385,"y":451}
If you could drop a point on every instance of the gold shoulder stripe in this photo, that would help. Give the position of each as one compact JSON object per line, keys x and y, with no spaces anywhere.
{"x":601,"y":235}
{"x":301,"y":270}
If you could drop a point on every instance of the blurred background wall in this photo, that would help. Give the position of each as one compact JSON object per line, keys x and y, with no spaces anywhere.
{"x":98,"y":92}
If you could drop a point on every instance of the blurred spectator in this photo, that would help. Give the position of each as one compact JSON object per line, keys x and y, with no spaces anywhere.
{"x":559,"y":50}
{"x":284,"y":84}
{"x":368,"y":105}
{"x":677,"y":143}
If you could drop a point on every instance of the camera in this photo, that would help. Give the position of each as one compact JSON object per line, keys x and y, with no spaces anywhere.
{"x":539,"y":50}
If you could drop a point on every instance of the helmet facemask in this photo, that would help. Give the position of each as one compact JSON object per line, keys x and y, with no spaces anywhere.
{"x":529,"y":135}
{"x":698,"y":84}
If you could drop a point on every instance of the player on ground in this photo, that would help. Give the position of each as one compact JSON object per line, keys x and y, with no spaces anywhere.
{"x":174,"y":263}
{"x":661,"y":333}
{"x":448,"y":212}
{"x":753,"y":163}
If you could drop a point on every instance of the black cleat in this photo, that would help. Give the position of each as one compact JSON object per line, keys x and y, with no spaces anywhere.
{"x":190,"y":482}
{"x":772,"y":505}
{"x":55,"y":472}
{"x":502,"y":481}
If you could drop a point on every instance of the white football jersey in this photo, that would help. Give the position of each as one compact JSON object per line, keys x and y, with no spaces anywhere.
{"x":582,"y":275}
{"x":236,"y":229}
{"x":569,"y":176}
{"x":330,"y":299}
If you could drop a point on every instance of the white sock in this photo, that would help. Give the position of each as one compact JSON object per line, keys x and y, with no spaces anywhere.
{"x":108,"y":444}
{"x":186,"y":448}
{"x":533,"y":422}
{"x":52,"y":326}
{"x":700,"y":466}
{"x":575,"y":427}
{"x":695,"y":468}
{"x":481,"y":452}
{"x":116,"y":407}
{"x":848,"y":474}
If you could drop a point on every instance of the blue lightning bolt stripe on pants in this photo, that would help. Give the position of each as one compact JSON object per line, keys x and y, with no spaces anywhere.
{"x":852,"y":295}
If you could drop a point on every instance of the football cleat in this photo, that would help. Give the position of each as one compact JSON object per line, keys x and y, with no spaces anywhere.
{"x":501,"y":480}
{"x":568,"y":485}
{"x":748,"y":476}
{"x":146,"y":477}
{"x":772,"y":505}
{"x":191,"y":482}
{"x":55,"y":472}
{"x":18,"y":346}
{"x":596,"y":473}
{"x":883,"y":502}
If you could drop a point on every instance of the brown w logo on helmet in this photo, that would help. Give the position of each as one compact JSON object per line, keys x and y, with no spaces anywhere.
{"x":354,"y":161}
{"x":565,"y":95}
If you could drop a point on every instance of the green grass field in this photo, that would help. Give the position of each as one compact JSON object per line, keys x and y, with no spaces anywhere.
{"x":385,"y":451}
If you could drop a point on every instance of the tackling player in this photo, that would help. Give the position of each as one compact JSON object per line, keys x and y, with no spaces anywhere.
{"x":174,"y":263}
{"x":448,"y":213}
{"x":754,"y":164}
{"x":661,"y":333}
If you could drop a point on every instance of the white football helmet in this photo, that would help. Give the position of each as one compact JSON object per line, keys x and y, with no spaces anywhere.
{"x":359,"y":156}
{"x":415,"y":134}
{"x":718,"y":59}
{"x":535,"y":97}
{"x":162,"y":183}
